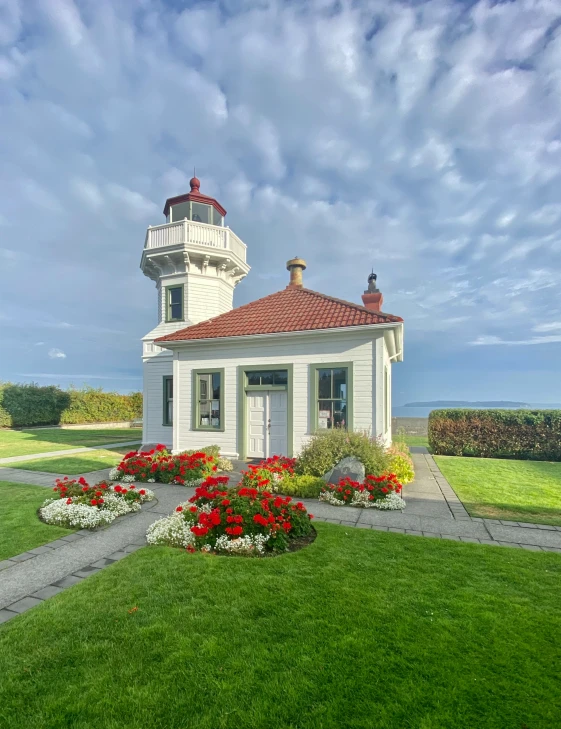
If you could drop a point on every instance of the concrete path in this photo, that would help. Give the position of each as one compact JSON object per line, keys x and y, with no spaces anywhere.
{"x":68,"y":451}
{"x":433,"y":510}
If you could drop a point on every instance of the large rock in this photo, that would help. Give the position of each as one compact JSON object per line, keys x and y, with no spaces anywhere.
{"x":349,"y":466}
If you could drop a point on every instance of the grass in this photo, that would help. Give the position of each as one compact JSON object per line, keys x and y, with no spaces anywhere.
{"x":415,"y":440}
{"x":41,"y":440}
{"x":360,"y":629}
{"x":74,"y":464}
{"x":20,"y":527}
{"x":494,"y":488}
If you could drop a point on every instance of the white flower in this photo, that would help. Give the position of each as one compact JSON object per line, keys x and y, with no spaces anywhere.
{"x":248,"y":544}
{"x":360,"y":499}
{"x":75,"y":515}
{"x":172,"y":530}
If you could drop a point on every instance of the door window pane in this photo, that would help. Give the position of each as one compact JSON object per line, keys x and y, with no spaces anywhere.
{"x":253,"y":378}
{"x":280,"y":377}
{"x":267,"y":377}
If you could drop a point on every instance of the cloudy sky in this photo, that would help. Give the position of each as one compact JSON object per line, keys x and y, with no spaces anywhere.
{"x":422,"y":139}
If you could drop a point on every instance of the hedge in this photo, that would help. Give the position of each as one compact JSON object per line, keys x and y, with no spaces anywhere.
{"x":522,"y":434}
{"x":32,"y":404}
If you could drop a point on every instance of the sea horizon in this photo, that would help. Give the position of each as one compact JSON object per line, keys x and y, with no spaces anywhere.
{"x":402,"y":411}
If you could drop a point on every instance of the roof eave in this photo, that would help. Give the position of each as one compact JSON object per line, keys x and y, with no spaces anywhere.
{"x":171,"y":344}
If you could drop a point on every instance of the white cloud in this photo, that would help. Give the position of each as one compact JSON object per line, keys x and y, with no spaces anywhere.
{"x":55,"y":353}
{"x":423,"y":141}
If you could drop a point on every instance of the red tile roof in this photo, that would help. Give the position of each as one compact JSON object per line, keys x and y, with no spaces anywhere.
{"x":290,"y":310}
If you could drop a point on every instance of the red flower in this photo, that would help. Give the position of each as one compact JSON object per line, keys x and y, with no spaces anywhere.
{"x":93,"y":502}
{"x":84,"y":488}
{"x":142,"y":492}
{"x":199,"y":530}
{"x":190,"y":548}
{"x":68,"y":501}
{"x":180,"y":508}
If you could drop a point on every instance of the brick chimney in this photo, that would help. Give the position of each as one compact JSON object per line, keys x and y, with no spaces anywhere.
{"x":372,"y":298}
{"x":296,"y":266}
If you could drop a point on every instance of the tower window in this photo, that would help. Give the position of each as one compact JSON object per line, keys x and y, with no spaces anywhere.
{"x":174,"y":303}
{"x":168,"y":400}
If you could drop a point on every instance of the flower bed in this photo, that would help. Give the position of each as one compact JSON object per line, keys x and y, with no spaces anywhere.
{"x":159,"y":465}
{"x":269,"y":473}
{"x":77,"y":504}
{"x":242,"y":520}
{"x":376,"y":492}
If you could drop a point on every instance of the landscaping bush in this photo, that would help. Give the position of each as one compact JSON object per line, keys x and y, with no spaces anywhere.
{"x":327,"y":447}
{"x":242,"y":520}
{"x":306,"y":487}
{"x":31,"y":404}
{"x":159,"y":465}
{"x":522,"y":434}
{"x":401,"y":463}
{"x":269,"y":473}
{"x":377,"y":492}
{"x":77,"y":504}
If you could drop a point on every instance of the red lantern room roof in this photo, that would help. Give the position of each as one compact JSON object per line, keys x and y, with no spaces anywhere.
{"x":196,"y":196}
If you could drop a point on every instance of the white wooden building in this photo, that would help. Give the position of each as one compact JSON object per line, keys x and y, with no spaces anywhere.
{"x":259,"y":379}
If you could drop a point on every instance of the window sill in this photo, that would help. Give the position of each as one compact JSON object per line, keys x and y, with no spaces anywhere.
{"x":208,"y":429}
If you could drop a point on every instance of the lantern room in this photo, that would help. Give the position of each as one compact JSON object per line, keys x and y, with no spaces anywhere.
{"x":194,"y":206}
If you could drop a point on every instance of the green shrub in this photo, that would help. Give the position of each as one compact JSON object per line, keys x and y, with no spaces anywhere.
{"x":306,"y":487}
{"x":327,"y":447}
{"x":32,"y":404}
{"x":522,"y":434}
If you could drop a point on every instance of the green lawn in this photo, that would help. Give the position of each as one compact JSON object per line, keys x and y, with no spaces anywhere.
{"x":74,"y":464}
{"x":26,"y":442}
{"x":495,"y":488}
{"x":20,"y":527}
{"x":415,"y":440}
{"x":360,"y":629}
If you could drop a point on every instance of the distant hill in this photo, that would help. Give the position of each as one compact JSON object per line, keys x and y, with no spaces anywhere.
{"x":467,"y":404}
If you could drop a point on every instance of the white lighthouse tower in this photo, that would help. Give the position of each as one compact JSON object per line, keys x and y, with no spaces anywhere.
{"x":196,"y":262}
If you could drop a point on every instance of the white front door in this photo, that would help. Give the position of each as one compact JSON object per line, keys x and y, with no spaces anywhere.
{"x":267,"y":423}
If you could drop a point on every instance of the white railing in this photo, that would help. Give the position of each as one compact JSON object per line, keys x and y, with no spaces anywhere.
{"x":202,"y":234}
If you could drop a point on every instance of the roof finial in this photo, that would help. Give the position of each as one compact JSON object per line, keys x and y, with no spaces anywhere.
{"x":194,"y":181}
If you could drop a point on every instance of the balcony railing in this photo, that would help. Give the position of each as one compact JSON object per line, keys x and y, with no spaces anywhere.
{"x":201,"y":234}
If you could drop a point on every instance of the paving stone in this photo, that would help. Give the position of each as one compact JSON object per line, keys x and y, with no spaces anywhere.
{"x":45,"y":592}
{"x":379,"y":528}
{"x":40,"y":550}
{"x":71,"y":538}
{"x":547,"y":527}
{"x":24,"y":604}
{"x":344,"y":522}
{"x":451,"y":537}
{"x":509,"y":523}
{"x":396,"y":530}
{"x":363,"y":526}
{"x":537,"y":537}
{"x":527,"y":525}
{"x":6,"y":615}
{"x":531,"y":547}
{"x":117,"y":555}
{"x":22,"y":557}
{"x":552,"y":549}
{"x":414,"y":533}
{"x":105,"y":562}
{"x":490,"y":542}
{"x":57,"y":544}
{"x":510,"y":544}
{"x":68,"y":581}
{"x":469,"y":539}
{"x":5,"y":563}
{"x":434,"y":535}
{"x":86,"y":571}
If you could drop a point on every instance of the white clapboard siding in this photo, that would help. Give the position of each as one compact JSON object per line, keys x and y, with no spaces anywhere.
{"x":153,"y":431}
{"x":360,"y":347}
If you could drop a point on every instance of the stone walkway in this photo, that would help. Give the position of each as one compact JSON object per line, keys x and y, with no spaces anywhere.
{"x":68,"y":451}
{"x":433,"y":510}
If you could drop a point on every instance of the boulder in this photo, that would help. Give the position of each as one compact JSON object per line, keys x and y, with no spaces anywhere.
{"x":349,"y":466}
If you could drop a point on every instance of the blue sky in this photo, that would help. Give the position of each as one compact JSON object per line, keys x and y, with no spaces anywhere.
{"x":420,"y":139}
